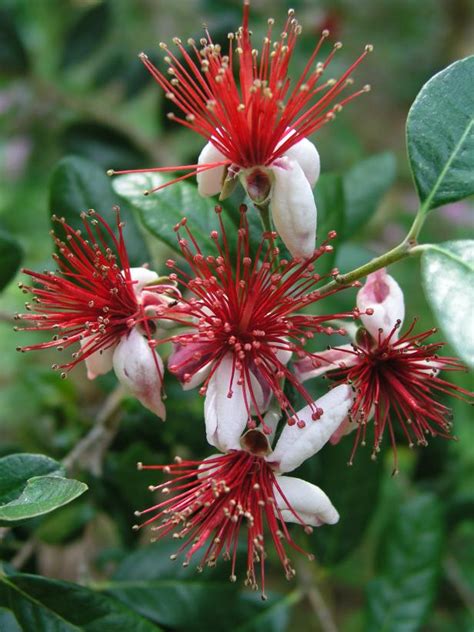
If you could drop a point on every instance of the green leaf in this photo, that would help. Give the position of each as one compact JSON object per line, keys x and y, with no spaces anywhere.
{"x":448,"y":279}
{"x":47,"y":605}
{"x":365,"y":184}
{"x":329,"y":194}
{"x":440,"y":136}
{"x":10,"y":258}
{"x":274,"y":618}
{"x":162,"y":210}
{"x":86,"y":34}
{"x":78,"y":185}
{"x":177,"y":597}
{"x":13,"y":55}
{"x":16,"y":469}
{"x":399,"y":599}
{"x":353,"y":490}
{"x":8,"y":623}
{"x":32,"y":485}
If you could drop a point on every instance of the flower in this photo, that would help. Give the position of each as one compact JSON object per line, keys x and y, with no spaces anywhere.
{"x":256,"y":122}
{"x":395,"y":378}
{"x":214,"y":498}
{"x":247,"y":321}
{"x":100,"y":302}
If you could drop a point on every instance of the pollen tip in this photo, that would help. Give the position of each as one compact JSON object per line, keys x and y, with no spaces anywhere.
{"x":110,"y":172}
{"x":369,"y":48}
{"x":143,"y":56}
{"x":139,"y":465}
{"x":146,"y":193}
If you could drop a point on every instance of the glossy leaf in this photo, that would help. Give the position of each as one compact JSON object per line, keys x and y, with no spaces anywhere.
{"x":329,"y":195}
{"x":86,"y":34}
{"x":32,"y":485}
{"x":48,"y":605}
{"x":448,"y":279}
{"x":162,"y":210}
{"x":8,"y":621}
{"x":274,"y":618}
{"x":78,"y":185}
{"x":177,"y":597}
{"x":10,"y":258}
{"x":399,"y":599}
{"x":440,"y":136}
{"x":365,"y":184}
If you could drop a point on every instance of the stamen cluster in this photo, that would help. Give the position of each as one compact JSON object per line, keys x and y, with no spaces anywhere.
{"x":91,"y":299}
{"x":250,"y":307}
{"x":396,"y":381}
{"x":211,"y":501}
{"x":248,"y":111}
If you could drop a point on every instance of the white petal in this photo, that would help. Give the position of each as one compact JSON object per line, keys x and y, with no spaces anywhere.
{"x":382,"y":294}
{"x":309,"y":501}
{"x":293,"y":207}
{"x":183,"y":361}
{"x":305,"y":369}
{"x":204,"y":469}
{"x":284,"y":355}
{"x":225,"y":417}
{"x":210,"y":181}
{"x":140,"y":370}
{"x":142,"y":277}
{"x":295,"y":444}
{"x":344,"y":429}
{"x":307,"y":156}
{"x":99,"y":362}
{"x":198,"y":377}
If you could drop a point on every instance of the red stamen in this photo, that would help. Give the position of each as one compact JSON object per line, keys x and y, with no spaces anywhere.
{"x":208,"y":505}
{"x":250,"y":309}
{"x":248,"y":118}
{"x":397,"y":381}
{"x":92,"y":298}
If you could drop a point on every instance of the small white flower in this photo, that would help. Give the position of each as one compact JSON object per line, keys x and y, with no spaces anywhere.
{"x":382,"y":294}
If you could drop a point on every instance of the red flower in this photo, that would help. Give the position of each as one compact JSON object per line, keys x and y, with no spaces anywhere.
{"x":99,"y":301}
{"x":256,"y":122}
{"x":247,"y":321}
{"x":395,"y":379}
{"x":208,"y":502}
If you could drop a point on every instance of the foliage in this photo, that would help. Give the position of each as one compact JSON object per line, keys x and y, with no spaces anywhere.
{"x":75,"y":102}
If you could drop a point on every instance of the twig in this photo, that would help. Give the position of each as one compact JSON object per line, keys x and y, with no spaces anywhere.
{"x":24,"y":553}
{"x":315,"y":598}
{"x":91,"y":448}
{"x":453,"y":573}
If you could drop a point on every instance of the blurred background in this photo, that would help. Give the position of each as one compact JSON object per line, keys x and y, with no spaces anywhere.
{"x":71,"y":85}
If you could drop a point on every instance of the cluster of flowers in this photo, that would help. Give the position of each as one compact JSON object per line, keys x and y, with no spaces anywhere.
{"x":238,"y":319}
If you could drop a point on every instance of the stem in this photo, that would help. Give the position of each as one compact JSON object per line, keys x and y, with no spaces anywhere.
{"x":93,"y":446}
{"x":320,"y":608}
{"x":406,"y":248}
{"x":264,"y":210}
